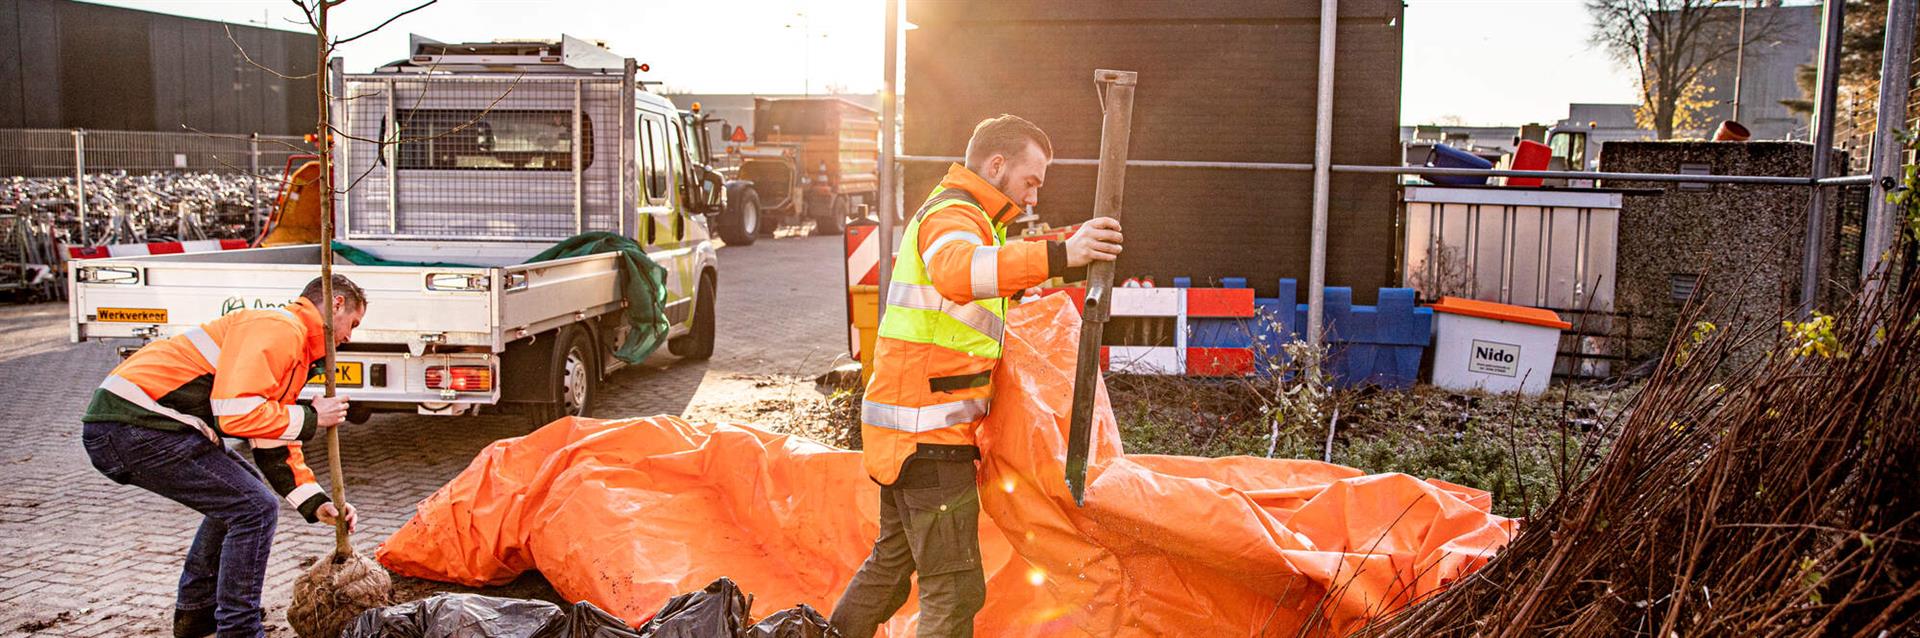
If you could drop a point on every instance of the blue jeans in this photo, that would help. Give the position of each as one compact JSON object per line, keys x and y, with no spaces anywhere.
{"x":228,"y":561}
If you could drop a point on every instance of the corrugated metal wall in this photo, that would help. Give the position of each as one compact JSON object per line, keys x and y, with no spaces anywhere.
{"x":1219,"y":81}
{"x":67,"y":64}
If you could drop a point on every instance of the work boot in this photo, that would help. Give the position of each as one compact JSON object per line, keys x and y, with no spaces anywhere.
{"x":193,"y":623}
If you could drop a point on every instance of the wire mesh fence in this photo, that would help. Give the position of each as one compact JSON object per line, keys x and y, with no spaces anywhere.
{"x":57,"y":152}
{"x":64,"y":188}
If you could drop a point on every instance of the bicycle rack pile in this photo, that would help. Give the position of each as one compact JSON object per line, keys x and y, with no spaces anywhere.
{"x":40,"y":217}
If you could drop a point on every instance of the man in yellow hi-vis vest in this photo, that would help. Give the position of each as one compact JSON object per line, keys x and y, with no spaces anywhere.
{"x":933,"y":367}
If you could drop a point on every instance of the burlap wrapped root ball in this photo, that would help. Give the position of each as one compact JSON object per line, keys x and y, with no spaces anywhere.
{"x":334,"y":592}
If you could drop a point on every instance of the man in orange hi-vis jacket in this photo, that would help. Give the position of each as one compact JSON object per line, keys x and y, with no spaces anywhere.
{"x":933,"y":367}
{"x":157,"y":423}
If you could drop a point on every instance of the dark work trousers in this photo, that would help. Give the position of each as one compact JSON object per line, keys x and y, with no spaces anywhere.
{"x":228,"y":561}
{"x":929,"y":523}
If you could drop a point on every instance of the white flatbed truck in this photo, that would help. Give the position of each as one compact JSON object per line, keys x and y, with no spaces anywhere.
{"x":504,"y":149}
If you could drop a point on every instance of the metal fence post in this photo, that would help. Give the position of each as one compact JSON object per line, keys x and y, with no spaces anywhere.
{"x":1829,"y":74}
{"x":254,"y":219}
{"x":1322,"y":181}
{"x":1895,"y":59}
{"x":889,"y":121}
{"x":80,"y":179}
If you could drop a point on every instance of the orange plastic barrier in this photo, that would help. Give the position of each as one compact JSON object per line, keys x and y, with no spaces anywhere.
{"x":629,"y":513}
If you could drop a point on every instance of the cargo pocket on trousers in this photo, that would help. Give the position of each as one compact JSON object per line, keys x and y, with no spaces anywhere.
{"x":943,"y":528}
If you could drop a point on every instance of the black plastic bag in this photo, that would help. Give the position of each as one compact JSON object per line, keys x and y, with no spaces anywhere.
{"x":587,"y":621}
{"x":800,"y":622}
{"x":719,"y":611}
{"x":476,"y":616}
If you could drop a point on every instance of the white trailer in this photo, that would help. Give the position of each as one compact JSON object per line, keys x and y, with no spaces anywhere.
{"x":480,"y":155}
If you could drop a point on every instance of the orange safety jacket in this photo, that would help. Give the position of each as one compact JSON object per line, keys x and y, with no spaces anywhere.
{"x":928,"y":392}
{"x":237,"y":376}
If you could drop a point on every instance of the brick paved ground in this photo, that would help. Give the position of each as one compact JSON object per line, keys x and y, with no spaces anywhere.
{"x":86,"y":557}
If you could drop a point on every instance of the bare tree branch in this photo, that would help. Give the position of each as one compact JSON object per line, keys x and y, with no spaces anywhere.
{"x":363,"y":175}
{"x":476,"y":119}
{"x":383,"y":25}
{"x":249,"y":58}
{"x":396,"y":139}
{"x":308,"y":12}
{"x":248,"y":138}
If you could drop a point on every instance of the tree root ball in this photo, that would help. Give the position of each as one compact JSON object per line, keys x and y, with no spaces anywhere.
{"x":334,"y":592}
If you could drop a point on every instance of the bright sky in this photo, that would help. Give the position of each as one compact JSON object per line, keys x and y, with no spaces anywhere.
{"x":1494,"y":62}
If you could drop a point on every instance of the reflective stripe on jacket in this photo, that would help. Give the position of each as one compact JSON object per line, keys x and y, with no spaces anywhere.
{"x":946,"y":307}
{"x":237,"y":376}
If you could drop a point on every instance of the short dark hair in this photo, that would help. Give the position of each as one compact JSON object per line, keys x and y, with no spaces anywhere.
{"x":342,"y":287}
{"x":1005,"y":135}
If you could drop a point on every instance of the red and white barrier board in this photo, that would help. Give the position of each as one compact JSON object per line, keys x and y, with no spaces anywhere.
{"x":155,"y":248}
{"x":863,"y":255}
{"x":1179,"y":304}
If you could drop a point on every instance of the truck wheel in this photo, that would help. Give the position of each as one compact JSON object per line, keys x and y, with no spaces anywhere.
{"x":740,"y":224}
{"x":832,"y":218}
{"x":574,"y":378}
{"x":698,"y":344}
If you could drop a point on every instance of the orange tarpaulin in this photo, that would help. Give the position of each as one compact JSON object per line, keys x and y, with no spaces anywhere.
{"x":629,"y":513}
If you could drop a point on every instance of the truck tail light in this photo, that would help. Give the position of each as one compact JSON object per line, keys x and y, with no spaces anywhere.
{"x":460,"y":378}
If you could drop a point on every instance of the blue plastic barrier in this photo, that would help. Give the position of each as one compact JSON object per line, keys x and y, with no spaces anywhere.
{"x":1379,"y":345}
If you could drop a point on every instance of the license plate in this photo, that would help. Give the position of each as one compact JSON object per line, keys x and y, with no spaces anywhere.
{"x":346,"y":374}
{"x":131,"y":315}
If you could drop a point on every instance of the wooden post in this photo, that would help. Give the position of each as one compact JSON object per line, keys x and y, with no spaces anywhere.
{"x":323,"y":141}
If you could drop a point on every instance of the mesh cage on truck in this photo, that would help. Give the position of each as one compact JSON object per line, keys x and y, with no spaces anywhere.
{"x":484,"y":157}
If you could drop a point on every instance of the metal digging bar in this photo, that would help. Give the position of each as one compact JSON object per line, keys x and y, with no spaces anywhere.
{"x":1116,"y":127}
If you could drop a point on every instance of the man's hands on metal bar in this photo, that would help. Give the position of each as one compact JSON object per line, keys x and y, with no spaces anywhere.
{"x":1097,"y":240}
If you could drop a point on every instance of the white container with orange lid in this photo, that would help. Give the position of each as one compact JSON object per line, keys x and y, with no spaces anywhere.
{"x":1495,"y":347}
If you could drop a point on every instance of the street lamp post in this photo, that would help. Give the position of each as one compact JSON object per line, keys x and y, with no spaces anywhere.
{"x":1739,"y":59}
{"x":1739,"y":54}
{"x":806,"y":51}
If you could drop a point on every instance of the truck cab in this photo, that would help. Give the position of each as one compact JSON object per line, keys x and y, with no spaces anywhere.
{"x":1576,"y":140}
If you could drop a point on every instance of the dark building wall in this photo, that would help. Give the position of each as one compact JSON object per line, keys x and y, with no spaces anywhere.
{"x":68,"y":64}
{"x":1219,"y":81}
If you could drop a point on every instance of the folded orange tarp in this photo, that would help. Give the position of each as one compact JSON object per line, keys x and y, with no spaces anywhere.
{"x":629,"y":513}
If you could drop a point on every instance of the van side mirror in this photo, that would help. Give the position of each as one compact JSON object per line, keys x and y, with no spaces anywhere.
{"x":712,"y":189}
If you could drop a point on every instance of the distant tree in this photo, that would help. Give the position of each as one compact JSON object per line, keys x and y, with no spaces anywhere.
{"x":1862,"y":35}
{"x":1673,"y":46}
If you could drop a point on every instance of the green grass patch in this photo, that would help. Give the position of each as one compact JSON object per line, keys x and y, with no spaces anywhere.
{"x":1523,"y":451}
